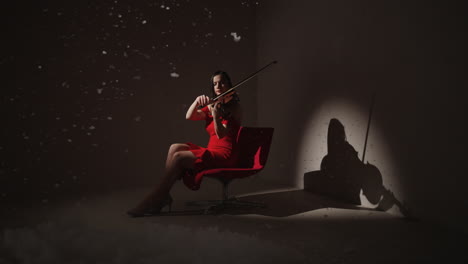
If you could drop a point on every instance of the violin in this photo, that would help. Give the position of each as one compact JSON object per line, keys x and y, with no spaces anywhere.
{"x":232,"y":89}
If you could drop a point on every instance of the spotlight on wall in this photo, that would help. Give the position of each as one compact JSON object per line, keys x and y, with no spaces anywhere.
{"x":315,"y":144}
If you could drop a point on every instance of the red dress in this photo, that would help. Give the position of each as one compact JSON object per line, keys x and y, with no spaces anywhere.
{"x":218,"y":154}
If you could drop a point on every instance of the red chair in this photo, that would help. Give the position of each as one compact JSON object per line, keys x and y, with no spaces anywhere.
{"x":254,"y":147}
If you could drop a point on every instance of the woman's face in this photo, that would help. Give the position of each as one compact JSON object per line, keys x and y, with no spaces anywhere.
{"x":220,"y":85}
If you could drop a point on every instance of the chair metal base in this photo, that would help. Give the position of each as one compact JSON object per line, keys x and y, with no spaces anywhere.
{"x":226,"y":202}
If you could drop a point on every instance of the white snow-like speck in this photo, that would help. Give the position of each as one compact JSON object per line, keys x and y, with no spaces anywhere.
{"x":104,"y":52}
{"x":69,"y":140}
{"x":143,"y":22}
{"x":209,"y":12}
{"x":162,"y":6}
{"x":92,"y":128}
{"x":109,"y":118}
{"x":167,"y":8}
{"x":175,"y":75}
{"x":39,"y":67}
{"x":99,"y":90}
{"x":235,"y":37}
{"x":137,"y":119}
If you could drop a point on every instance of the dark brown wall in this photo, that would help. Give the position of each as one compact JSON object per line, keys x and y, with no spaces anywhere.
{"x":62,"y":135}
{"x":411,"y":53}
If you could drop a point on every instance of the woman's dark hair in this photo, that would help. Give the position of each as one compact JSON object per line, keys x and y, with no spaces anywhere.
{"x":225,"y":78}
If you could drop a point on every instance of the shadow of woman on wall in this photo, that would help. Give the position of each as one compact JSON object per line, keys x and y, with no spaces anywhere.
{"x":344,"y":177}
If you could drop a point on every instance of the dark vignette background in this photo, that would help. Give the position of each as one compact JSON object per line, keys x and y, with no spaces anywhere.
{"x":93,"y":92}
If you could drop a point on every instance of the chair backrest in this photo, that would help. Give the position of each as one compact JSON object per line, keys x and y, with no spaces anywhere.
{"x":254,"y":146}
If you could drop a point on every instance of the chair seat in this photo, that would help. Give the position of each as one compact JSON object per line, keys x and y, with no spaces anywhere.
{"x":254,"y":146}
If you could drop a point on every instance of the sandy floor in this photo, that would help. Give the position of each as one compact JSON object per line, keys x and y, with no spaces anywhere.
{"x":296,"y":227}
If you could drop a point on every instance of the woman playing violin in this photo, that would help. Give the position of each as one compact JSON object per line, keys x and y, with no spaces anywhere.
{"x":222,"y":122}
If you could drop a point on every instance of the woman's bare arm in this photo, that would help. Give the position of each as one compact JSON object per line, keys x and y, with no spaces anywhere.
{"x":193,"y":113}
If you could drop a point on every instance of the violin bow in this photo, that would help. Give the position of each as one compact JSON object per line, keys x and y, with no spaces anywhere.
{"x":368,"y":126}
{"x":230,"y":90}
